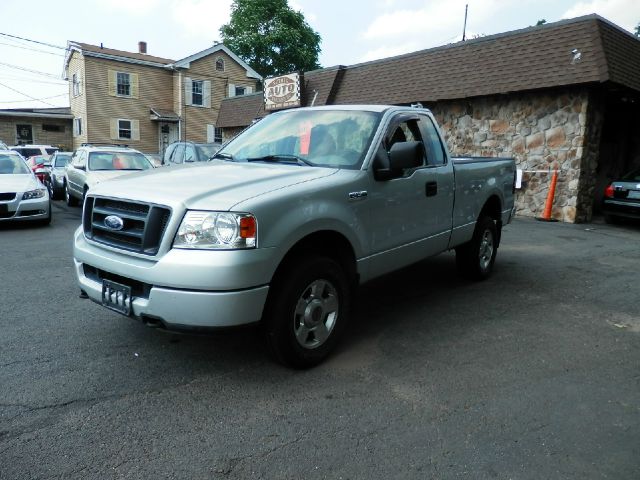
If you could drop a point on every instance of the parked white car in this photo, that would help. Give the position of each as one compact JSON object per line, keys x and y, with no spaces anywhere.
{"x":22,"y":196}
{"x":30,"y":150}
{"x":93,"y":164}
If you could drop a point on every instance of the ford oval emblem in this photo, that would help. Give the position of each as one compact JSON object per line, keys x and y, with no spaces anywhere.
{"x":113,"y":222}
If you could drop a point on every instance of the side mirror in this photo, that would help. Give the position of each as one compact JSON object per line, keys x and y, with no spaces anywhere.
{"x":402,"y":156}
{"x":405,"y":155}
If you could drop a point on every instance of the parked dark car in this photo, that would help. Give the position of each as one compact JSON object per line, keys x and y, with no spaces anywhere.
{"x":622,"y":198}
{"x":186,"y":152}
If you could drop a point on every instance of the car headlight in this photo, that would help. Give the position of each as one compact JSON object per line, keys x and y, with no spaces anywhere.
{"x":216,"y":230}
{"x":38,"y":193}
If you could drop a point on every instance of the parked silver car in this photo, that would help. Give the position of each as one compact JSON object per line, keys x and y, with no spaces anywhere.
{"x":58,"y":167}
{"x":92,"y":164}
{"x":22,"y":196}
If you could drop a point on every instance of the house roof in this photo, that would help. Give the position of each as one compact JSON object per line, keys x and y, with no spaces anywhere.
{"x":533,"y":58}
{"x":241,"y":111}
{"x":118,"y":55}
{"x":219,"y":47}
{"x":150,"y":60}
{"x":58,"y":112}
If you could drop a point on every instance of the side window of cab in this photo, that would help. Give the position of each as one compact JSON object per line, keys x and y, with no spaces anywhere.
{"x":432,"y":143}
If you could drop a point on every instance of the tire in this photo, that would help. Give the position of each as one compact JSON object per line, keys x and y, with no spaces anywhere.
{"x":307,"y":310}
{"x":52,"y":191}
{"x":47,"y":221}
{"x":70,"y":199}
{"x":475,"y":258}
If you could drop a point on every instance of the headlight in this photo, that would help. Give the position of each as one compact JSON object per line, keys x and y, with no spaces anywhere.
{"x":216,"y":230}
{"x":39,"y":193}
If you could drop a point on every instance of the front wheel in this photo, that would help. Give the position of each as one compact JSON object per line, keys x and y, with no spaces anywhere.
{"x":307,"y":310}
{"x":70,"y":199}
{"x":475,"y":258}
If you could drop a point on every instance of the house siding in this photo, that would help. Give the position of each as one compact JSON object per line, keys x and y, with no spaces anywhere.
{"x":196,"y":119}
{"x":155,"y":89}
{"x":79,"y":103}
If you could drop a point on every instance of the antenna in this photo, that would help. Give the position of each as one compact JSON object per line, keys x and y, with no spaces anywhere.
{"x":464,"y":29}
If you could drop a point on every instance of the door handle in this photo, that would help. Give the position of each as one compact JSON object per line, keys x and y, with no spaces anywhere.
{"x":431,"y":189}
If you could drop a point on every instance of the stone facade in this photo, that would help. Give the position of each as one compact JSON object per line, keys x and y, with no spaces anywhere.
{"x":543,"y":131}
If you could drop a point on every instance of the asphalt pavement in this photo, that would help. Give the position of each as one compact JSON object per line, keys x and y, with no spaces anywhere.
{"x":531,"y":374}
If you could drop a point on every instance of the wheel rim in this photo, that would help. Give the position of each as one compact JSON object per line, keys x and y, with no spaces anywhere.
{"x":316,"y":313}
{"x":486,"y":250}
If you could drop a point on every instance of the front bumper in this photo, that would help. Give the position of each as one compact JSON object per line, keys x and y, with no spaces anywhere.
{"x":26,"y":210}
{"x":175,"y":294}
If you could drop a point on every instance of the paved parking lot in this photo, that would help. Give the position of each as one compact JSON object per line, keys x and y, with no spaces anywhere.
{"x":531,"y":374}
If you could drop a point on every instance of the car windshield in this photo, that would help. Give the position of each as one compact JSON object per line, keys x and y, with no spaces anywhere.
{"x":320,"y":138}
{"x":62,"y":160}
{"x":118,"y":161}
{"x":632,"y":176}
{"x":208,"y":151}
{"x":12,"y":164}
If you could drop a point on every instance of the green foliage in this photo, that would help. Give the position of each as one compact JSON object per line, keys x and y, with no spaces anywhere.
{"x":637,"y":32}
{"x":271,"y":37}
{"x":541,"y":22}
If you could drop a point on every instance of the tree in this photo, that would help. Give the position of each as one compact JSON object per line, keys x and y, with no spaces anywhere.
{"x":541,"y":22}
{"x":637,"y":32}
{"x":271,"y":37}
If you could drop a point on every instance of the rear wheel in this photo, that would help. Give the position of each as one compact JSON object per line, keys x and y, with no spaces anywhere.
{"x":475,"y":258}
{"x":307,"y":311}
{"x":70,"y":199}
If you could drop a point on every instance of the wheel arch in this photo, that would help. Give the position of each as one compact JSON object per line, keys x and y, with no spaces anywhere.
{"x":493,"y":209}
{"x":329,"y":243}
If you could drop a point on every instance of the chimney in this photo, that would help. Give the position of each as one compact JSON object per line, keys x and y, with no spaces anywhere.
{"x":142,"y":47}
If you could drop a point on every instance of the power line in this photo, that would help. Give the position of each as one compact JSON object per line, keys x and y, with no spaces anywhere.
{"x":38,"y":99}
{"x":33,"y":41}
{"x":28,"y":96}
{"x":17,"y":67}
{"x":31,"y":49}
{"x":59,"y":83}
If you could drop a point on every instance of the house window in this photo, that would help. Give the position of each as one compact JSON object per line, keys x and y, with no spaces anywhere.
{"x":123,"y":82}
{"x":52,"y":128}
{"x":217,"y":135}
{"x":196,"y":93}
{"x":124,"y":129}
{"x":76,"y":84}
{"x":240,"y":91}
{"x":220,"y":65}
{"x":77,"y":127}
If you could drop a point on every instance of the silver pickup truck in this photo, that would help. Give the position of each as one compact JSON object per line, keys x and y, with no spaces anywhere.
{"x":286,"y":221}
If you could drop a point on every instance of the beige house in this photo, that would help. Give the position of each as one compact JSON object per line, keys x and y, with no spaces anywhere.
{"x":148,"y":102}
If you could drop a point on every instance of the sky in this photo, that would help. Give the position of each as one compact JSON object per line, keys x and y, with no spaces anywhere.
{"x":352,"y":31}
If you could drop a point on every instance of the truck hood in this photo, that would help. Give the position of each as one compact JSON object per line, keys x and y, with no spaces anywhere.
{"x":216,"y":185}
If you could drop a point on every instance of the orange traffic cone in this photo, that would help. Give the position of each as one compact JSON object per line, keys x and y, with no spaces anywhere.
{"x":546,"y":215}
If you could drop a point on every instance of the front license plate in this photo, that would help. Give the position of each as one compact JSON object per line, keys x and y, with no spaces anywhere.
{"x":116,"y":296}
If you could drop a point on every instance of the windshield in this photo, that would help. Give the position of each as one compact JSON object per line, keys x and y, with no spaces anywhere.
{"x":632,"y":176}
{"x":12,"y":164}
{"x":118,"y":161}
{"x":321,"y":138}
{"x":62,"y":160}
{"x":208,"y":151}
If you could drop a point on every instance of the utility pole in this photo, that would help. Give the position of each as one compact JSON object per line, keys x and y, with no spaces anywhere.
{"x":464,"y":29}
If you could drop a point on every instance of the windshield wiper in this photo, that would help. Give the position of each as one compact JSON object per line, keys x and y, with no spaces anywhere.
{"x":226,"y":156}
{"x":281,"y":157}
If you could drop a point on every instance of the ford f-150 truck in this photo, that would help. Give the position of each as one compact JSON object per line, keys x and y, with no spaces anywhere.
{"x":286,"y":221}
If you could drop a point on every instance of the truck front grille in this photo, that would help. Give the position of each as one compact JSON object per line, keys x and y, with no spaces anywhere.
{"x":143,"y":225}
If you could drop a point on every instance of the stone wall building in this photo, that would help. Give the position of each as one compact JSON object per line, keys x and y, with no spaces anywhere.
{"x":563,"y":96}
